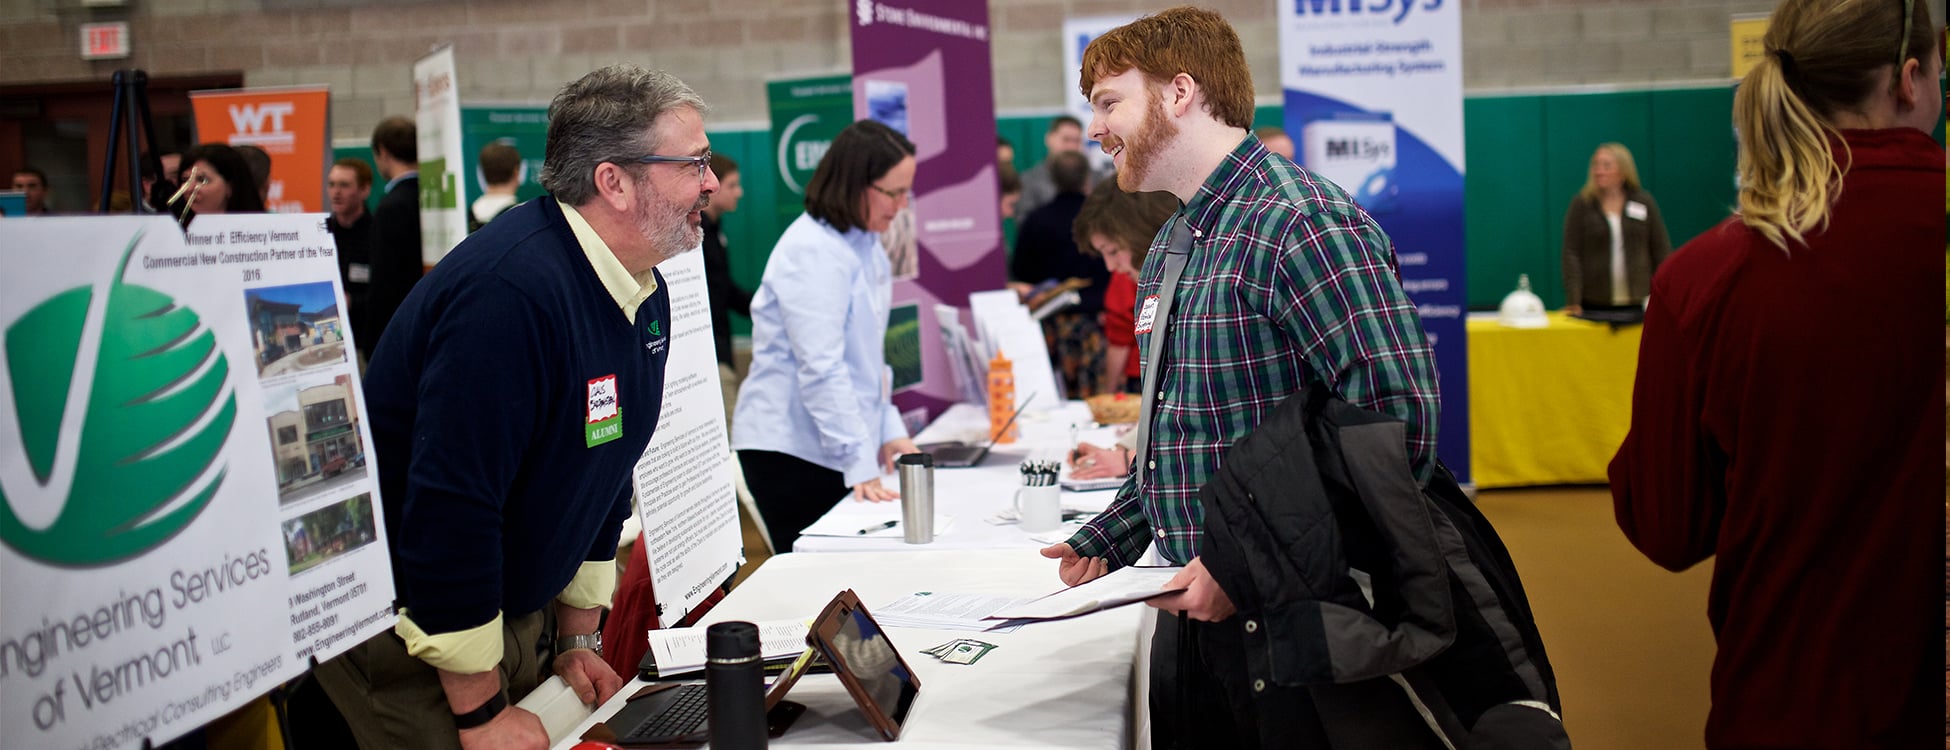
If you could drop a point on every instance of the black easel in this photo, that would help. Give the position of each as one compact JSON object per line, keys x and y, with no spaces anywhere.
{"x":131,"y":101}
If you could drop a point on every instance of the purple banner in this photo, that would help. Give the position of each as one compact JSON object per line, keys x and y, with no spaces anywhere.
{"x":949,"y":243}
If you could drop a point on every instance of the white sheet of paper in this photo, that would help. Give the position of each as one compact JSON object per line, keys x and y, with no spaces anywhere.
{"x":1126,"y":585}
{"x":685,"y":494}
{"x":851,"y":517}
{"x":943,"y":611}
{"x":680,"y":650}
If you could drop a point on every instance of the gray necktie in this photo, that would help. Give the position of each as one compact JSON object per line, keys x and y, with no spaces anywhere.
{"x":1176,"y":254}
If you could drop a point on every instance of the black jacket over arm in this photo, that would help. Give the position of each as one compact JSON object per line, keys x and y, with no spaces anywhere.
{"x":1323,"y":488}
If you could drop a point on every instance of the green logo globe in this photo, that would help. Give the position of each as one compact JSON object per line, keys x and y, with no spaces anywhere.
{"x":157,"y":417}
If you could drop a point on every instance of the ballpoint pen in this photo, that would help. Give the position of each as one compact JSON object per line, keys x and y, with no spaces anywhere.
{"x":878,"y":527}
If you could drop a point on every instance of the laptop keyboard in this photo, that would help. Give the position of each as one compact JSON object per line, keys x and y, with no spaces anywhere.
{"x":680,"y":717}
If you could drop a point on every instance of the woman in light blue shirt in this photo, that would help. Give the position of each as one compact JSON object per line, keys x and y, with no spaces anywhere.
{"x":815,"y":418}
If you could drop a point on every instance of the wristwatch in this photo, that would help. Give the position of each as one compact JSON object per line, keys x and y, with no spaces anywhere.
{"x":486,"y":713}
{"x":591,"y":641}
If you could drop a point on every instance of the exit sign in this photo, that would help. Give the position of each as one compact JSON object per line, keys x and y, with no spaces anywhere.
{"x":104,"y":41}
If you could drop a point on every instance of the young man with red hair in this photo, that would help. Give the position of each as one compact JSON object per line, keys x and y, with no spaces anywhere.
{"x":1286,"y":284}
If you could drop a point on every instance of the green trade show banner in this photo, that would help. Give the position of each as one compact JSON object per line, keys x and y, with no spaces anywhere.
{"x":523,"y":126}
{"x":807,"y":113}
{"x":187,"y":512}
{"x":437,"y":120}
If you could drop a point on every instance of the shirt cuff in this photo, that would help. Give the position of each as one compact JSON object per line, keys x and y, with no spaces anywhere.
{"x":470,"y":651}
{"x":593,"y":586}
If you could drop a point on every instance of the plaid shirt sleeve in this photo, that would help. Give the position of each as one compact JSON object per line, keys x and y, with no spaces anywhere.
{"x":1120,"y":533}
{"x":1336,"y":291}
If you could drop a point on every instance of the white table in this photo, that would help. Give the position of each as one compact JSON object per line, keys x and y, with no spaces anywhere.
{"x":1067,"y":684}
{"x":973,"y":494}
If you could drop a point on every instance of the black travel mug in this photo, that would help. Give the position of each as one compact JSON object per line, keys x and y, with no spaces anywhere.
{"x":734,"y":677}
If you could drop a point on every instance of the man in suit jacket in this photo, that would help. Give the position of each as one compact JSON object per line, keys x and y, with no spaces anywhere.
{"x":396,"y":265}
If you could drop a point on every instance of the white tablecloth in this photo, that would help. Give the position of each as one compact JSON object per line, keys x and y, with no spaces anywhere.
{"x":1065,"y":684}
{"x":973,"y":494}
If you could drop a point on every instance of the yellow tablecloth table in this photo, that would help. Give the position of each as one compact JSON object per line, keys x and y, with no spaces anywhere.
{"x":1548,"y":405}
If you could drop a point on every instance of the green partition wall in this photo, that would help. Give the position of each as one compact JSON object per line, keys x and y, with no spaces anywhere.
{"x":1528,"y":155}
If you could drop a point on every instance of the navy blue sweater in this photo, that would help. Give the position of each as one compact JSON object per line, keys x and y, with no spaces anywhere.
{"x":480,"y":394}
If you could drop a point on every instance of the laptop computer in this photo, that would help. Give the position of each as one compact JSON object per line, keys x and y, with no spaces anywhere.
{"x":963,"y":455}
{"x":677,"y":714}
{"x":844,"y":636}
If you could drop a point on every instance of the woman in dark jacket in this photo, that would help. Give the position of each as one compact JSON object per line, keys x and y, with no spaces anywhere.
{"x":1614,"y":237}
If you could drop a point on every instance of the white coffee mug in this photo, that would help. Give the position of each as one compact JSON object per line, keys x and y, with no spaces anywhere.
{"x":1040,"y":508}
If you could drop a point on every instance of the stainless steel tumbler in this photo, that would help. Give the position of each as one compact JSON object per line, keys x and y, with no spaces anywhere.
{"x":917,"y":497}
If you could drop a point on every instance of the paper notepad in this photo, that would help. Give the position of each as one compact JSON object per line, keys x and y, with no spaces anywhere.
{"x":1128,"y":585}
{"x":680,"y":650}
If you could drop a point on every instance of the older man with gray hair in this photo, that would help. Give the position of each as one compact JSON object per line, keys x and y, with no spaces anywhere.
{"x":510,"y":399}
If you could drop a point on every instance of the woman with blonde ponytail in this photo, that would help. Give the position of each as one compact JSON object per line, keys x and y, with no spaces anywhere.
{"x":1785,"y":416}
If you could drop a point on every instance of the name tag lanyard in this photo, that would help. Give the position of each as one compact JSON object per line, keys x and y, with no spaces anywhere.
{"x":1177,"y":253}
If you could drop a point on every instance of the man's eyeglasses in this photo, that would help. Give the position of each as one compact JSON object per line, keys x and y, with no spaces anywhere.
{"x":896,"y":195}
{"x":702,"y":162}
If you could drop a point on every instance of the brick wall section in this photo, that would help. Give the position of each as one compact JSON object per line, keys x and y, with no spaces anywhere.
{"x":523,"y":50}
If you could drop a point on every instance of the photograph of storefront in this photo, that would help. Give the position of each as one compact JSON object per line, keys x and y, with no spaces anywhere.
{"x":296,"y":327}
{"x":328,"y":532}
{"x":315,"y":437}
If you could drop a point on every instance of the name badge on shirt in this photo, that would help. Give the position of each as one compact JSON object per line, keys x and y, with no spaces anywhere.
{"x":1146,"y":315}
{"x":1635,"y":210}
{"x":358,"y":273}
{"x":605,"y":417}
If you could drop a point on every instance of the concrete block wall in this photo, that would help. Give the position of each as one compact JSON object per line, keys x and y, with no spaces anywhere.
{"x":523,"y":50}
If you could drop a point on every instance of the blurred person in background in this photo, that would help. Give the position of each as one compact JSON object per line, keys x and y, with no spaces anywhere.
{"x":220,"y":183}
{"x":1614,"y":237}
{"x":1118,"y":227}
{"x":726,"y":296}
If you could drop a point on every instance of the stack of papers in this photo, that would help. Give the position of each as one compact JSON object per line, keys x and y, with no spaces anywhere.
{"x":935,"y":610}
{"x":1127,"y":585}
{"x":681,"y":650}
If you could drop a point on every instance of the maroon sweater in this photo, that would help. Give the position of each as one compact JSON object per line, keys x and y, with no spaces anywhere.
{"x":1787,"y":420}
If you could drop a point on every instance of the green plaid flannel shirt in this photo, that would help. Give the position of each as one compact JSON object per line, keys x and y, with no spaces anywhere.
{"x":1288,"y":282}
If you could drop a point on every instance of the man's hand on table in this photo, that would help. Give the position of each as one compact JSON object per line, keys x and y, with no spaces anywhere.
{"x":1076,"y":569}
{"x":588,"y":675}
{"x":1088,"y":461}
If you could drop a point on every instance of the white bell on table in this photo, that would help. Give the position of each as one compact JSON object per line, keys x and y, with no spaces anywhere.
{"x":1522,"y":308}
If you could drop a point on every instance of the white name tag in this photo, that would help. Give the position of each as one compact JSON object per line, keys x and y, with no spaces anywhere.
{"x":1146,"y":315}
{"x":358,"y":273}
{"x":1635,"y":210}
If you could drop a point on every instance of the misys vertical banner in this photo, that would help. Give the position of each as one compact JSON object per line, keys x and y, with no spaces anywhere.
{"x":807,"y":113}
{"x":1374,"y":103}
{"x":1077,"y":33}
{"x":442,"y":164}
{"x":290,"y":123}
{"x":187,"y":511}
{"x":949,"y":243}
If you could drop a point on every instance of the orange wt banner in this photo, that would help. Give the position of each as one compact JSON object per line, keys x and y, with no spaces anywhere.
{"x":289,"y":123}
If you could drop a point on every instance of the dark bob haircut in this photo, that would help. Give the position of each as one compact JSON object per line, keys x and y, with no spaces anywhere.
{"x":862,"y":153}
{"x":244,"y":195}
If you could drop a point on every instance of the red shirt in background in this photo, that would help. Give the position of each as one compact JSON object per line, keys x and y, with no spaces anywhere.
{"x":1120,"y":305}
{"x":1786,"y":422}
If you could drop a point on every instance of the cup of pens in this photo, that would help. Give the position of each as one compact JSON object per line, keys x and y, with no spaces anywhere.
{"x":1039,"y":502}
